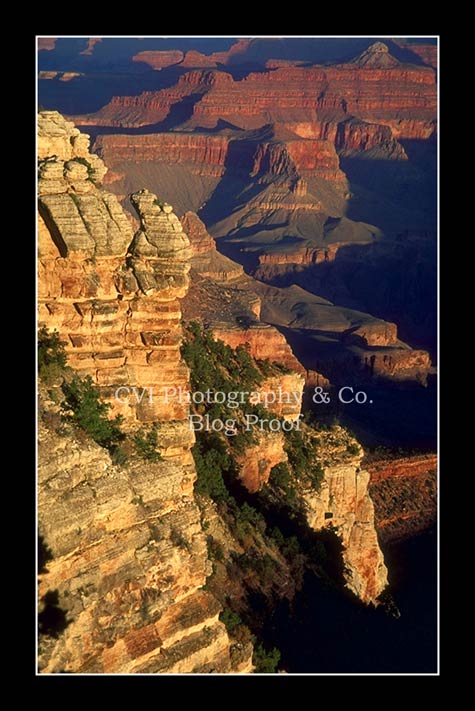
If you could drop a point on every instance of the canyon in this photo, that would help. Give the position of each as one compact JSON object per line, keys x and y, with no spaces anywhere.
{"x":134,"y":599}
{"x":303,"y":233}
{"x":109,"y":530}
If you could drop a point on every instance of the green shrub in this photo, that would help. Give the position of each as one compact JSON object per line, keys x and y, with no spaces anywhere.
{"x":353,"y":449}
{"x":90,"y":169}
{"x":230,"y":619}
{"x":179,"y":540}
{"x":265,"y":662}
{"x":247,"y":518}
{"x":83,"y":407}
{"x":146,"y":444}
{"x":280,"y":477}
{"x":215,"y":549}
{"x":51,"y":355}
{"x":302,"y":456}
{"x":211,"y":460}
{"x":216,"y":366}
{"x":119,"y":456}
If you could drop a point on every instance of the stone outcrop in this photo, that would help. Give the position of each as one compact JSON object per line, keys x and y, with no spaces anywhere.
{"x":206,"y":260}
{"x":255,"y":465}
{"x":193,"y":59}
{"x":128,"y":564}
{"x":205,"y":154}
{"x":376,"y":57}
{"x":129,"y":557}
{"x":298,"y":255}
{"x":263,"y":341}
{"x":344,"y":503}
{"x":112,"y":296}
{"x":159,"y":59}
{"x":375,"y":333}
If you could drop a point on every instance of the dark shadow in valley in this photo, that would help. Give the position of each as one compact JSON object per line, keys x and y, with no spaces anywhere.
{"x":325,"y":628}
{"x":323,"y":632}
{"x":401,"y":414}
{"x":235,"y":189}
{"x":394,"y":194}
{"x":395,"y":280}
{"x":89,"y":93}
{"x":323,"y":549}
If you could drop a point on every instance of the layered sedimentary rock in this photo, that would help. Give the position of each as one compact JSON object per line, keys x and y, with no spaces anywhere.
{"x":254,"y":467}
{"x":289,"y":133}
{"x":128,"y":554}
{"x":404,"y":491}
{"x":271,"y":151}
{"x":206,"y":260}
{"x":193,"y":59}
{"x":128,"y":563}
{"x":375,"y":87}
{"x":112,"y":295}
{"x":206,"y":154}
{"x":159,"y":59}
{"x":298,"y":255}
{"x":344,"y":503}
{"x":263,"y":341}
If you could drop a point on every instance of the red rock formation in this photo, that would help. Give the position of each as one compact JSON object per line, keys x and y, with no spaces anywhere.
{"x":205,"y":154}
{"x":399,"y":364}
{"x":46,"y":43}
{"x":269,"y":153}
{"x":264,"y":342}
{"x":407,"y":467}
{"x":354,"y":135}
{"x":303,"y":255}
{"x":404,"y":491}
{"x":194,"y":59}
{"x":256,"y":464}
{"x":322,"y":96}
{"x":373,"y":333}
{"x":159,"y":60}
{"x":200,"y":239}
{"x":91,"y":43}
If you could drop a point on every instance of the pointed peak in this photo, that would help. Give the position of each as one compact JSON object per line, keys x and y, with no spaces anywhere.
{"x":376,"y":57}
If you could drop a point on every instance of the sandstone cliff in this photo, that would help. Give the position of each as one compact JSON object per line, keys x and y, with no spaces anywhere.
{"x":128,"y":556}
{"x":206,"y":260}
{"x":344,"y":502}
